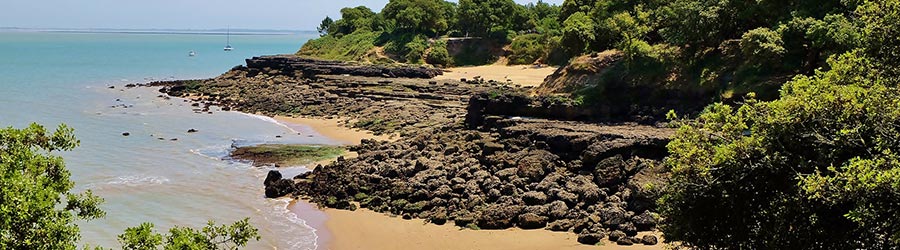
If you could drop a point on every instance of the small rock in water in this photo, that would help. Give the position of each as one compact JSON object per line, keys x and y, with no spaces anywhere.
{"x":112,"y":87}
{"x":173,"y":139}
{"x":277,"y":136}
{"x":118,"y":100}
{"x":160,"y":138}
{"x":192,"y":131}
{"x":126,"y":134}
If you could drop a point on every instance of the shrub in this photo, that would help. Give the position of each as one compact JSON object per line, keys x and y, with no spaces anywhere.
{"x":527,"y":49}
{"x":439,"y":54}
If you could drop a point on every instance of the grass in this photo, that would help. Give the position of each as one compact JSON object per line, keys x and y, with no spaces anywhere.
{"x":287,"y":155}
{"x":350,"y":47}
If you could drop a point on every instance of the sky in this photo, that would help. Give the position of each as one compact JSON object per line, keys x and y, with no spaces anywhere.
{"x":178,"y":14}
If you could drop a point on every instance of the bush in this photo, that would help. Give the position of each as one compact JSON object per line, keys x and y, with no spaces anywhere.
{"x":762,"y":45}
{"x":816,"y":169}
{"x":439,"y":54}
{"x":526,"y":49}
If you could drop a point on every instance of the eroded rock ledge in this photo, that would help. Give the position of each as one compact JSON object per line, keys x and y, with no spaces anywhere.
{"x":300,"y":66}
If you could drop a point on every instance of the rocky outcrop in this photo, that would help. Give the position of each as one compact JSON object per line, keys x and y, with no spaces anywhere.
{"x":612,"y":93}
{"x":381,"y":105}
{"x":307,"y":67}
{"x":277,"y":186}
{"x":478,"y":155}
{"x":527,"y":173}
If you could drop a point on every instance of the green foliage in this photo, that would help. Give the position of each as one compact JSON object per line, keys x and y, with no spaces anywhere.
{"x":817,"y":168}
{"x":762,"y":45}
{"x":211,"y":236}
{"x":350,"y":47}
{"x":325,"y":26}
{"x":526,"y":49}
{"x":140,"y":238}
{"x":33,"y":183}
{"x":419,"y":16}
{"x":486,"y":18}
{"x":355,"y":19}
{"x":578,"y":32}
{"x":439,"y":54}
{"x":288,"y":154}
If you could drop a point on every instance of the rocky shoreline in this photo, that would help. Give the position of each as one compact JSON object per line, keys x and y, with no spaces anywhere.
{"x":477,"y":154}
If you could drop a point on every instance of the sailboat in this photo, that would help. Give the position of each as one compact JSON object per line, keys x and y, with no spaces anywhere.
{"x":228,"y":40}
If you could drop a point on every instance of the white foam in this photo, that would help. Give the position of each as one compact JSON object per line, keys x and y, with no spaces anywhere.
{"x":302,"y":242}
{"x":138,"y":180}
{"x":271,"y":120}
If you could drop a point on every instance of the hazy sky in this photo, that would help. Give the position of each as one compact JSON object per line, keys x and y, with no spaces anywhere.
{"x":177,"y":14}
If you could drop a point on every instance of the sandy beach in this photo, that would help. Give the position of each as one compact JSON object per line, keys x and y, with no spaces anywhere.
{"x":365,"y":229}
{"x":332,"y":129}
{"x":525,"y":75}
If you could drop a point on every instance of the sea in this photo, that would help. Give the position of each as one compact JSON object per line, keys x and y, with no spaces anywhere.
{"x":159,"y":173}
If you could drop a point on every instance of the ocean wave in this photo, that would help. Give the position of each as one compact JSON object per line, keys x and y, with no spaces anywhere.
{"x":131,"y":181}
{"x":271,"y":120}
{"x":298,"y":239}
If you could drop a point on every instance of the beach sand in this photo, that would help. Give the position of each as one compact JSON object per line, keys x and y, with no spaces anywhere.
{"x":525,"y":75}
{"x":332,"y":129}
{"x":366,"y":229}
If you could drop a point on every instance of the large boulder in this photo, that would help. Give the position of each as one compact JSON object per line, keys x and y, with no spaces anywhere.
{"x":280,"y":188}
{"x":534,"y":198}
{"x":497,"y":217}
{"x":532,"y":221}
{"x":272,"y":177}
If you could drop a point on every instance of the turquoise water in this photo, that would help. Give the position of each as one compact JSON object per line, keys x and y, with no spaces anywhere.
{"x":54,"y":78}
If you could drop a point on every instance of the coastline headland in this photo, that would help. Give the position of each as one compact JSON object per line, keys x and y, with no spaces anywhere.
{"x":472,"y":153}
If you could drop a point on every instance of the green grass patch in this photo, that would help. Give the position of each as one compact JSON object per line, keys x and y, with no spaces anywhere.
{"x":350,"y":47}
{"x":286,"y":154}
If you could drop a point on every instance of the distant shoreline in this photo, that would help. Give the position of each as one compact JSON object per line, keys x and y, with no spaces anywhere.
{"x":243,"y":32}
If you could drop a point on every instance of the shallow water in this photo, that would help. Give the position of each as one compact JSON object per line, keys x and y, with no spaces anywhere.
{"x":53,"y":78}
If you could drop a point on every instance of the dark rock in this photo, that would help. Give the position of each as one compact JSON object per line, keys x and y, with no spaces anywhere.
{"x":624,"y":241}
{"x":272,"y":177}
{"x":612,"y":216}
{"x":628,"y":228}
{"x":532,"y":221}
{"x":558,"y":209}
{"x":497,"y":217}
{"x":534,"y":198}
{"x":280,"y":188}
{"x":645,"y":221}
{"x":192,"y":131}
{"x":463,"y":219}
{"x":649,"y":240}
{"x":125,"y":134}
{"x":616,"y":235}
{"x":560,"y":225}
{"x":589,"y":238}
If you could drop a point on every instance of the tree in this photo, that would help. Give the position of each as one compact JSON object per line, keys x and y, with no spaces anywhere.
{"x":483,"y":17}
{"x":353,"y":19}
{"x":423,"y":16}
{"x":33,"y":185}
{"x":578,"y":32}
{"x":210,"y":237}
{"x":325,"y":26}
{"x":817,"y":168}
{"x":34,"y":215}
